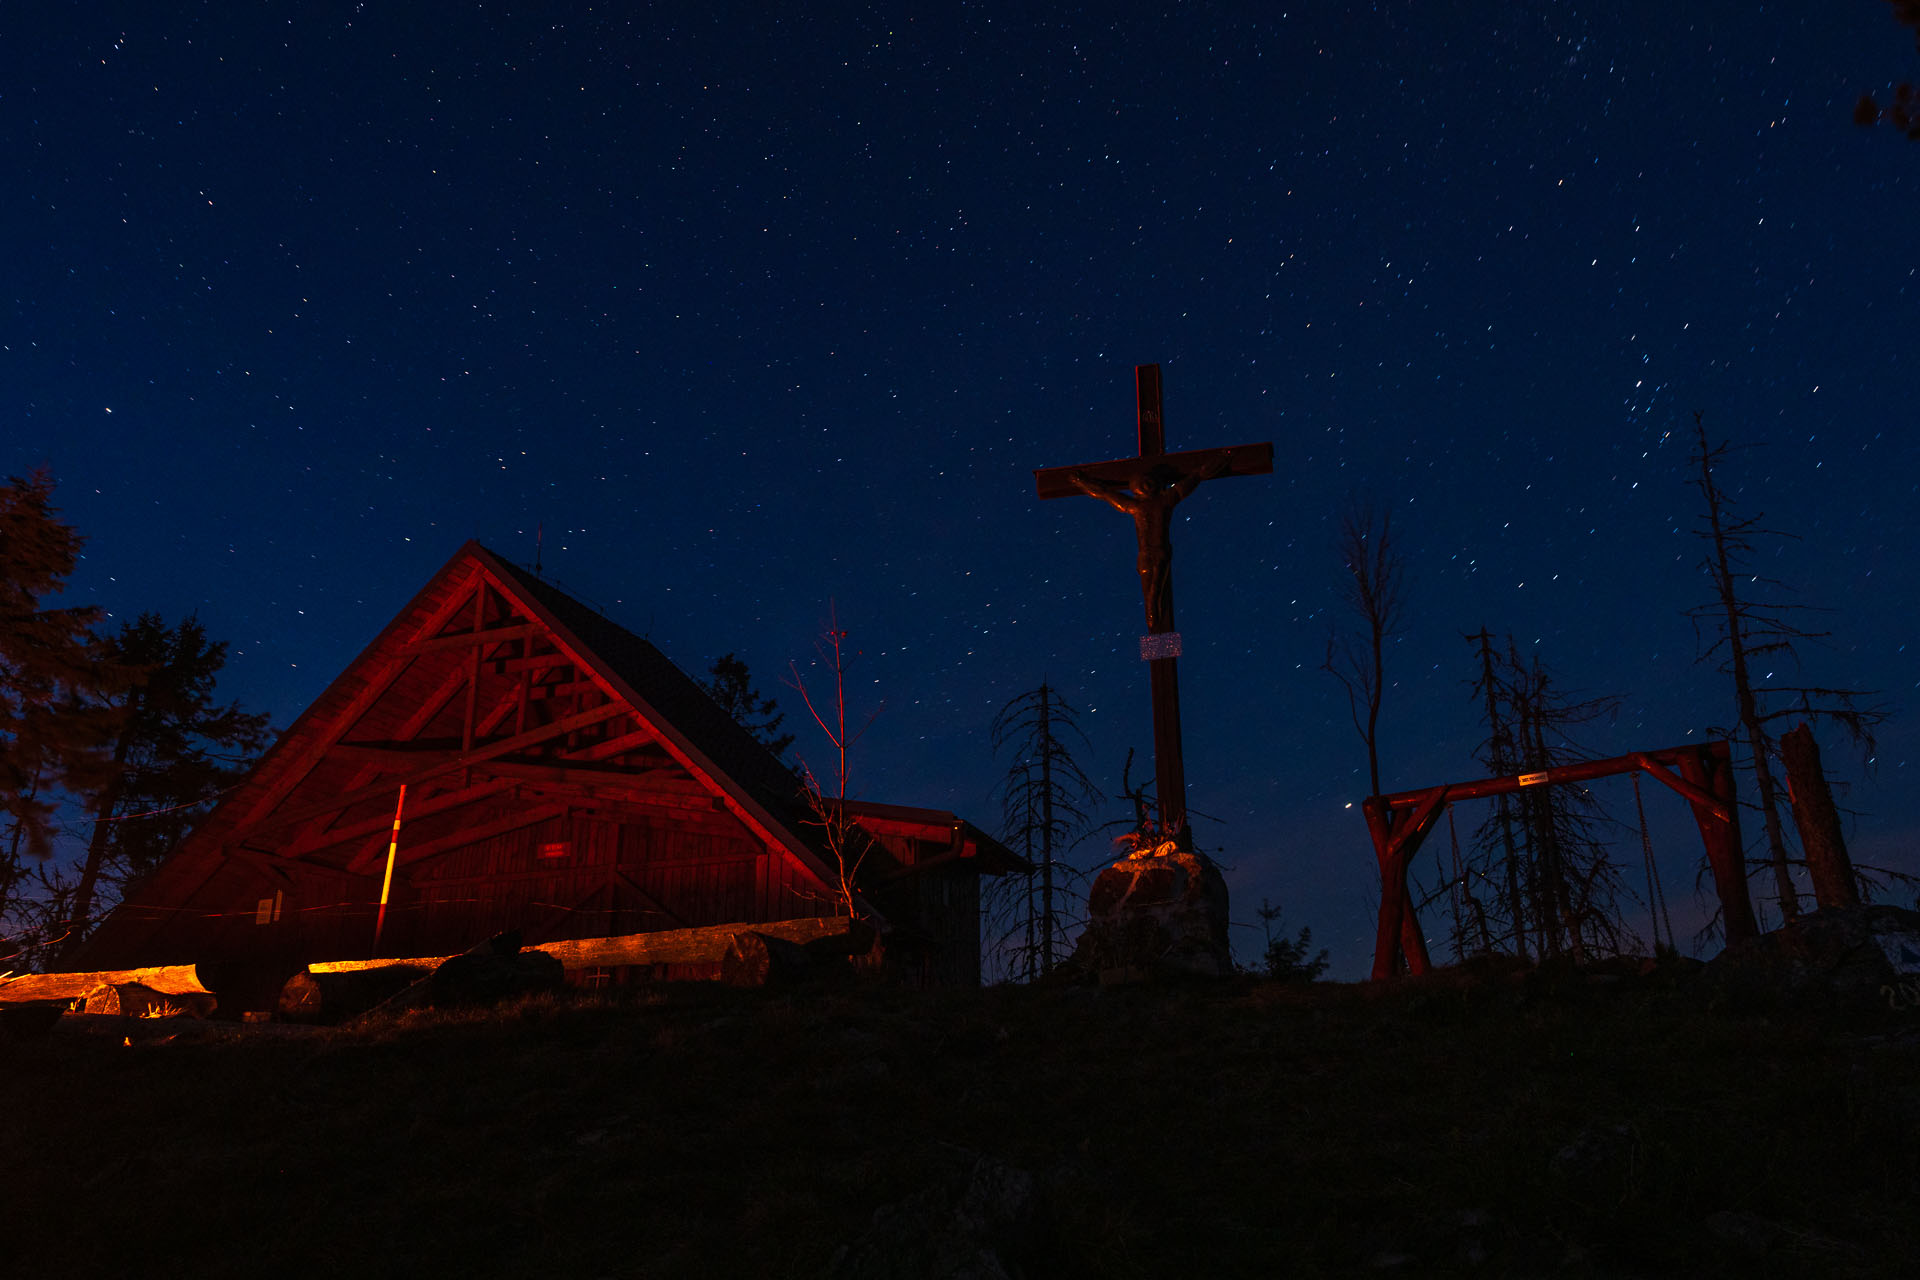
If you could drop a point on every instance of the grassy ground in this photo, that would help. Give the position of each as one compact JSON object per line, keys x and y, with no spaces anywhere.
{"x":1237,"y":1129}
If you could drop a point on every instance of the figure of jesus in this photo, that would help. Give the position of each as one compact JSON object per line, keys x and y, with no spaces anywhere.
{"x":1149,"y":496}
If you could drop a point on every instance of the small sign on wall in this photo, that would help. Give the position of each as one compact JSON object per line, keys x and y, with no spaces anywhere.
{"x":267,"y":910}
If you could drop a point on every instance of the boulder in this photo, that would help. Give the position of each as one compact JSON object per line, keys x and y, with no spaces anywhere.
{"x":1846,"y":960}
{"x":1160,"y":913}
{"x":487,"y":978}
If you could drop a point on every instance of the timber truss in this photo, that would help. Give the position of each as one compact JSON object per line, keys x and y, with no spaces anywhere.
{"x":1399,"y":823}
{"x":480,"y":715}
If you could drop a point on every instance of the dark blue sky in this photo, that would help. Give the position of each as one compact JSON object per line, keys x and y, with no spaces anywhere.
{"x":755,"y":312}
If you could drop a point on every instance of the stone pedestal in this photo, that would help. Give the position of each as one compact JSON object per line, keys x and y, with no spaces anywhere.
{"x":1163,"y":911}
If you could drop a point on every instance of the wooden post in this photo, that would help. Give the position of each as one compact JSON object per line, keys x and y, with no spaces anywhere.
{"x":1710,"y":769}
{"x":1163,"y":670}
{"x":1818,"y":820}
{"x":1397,"y":836}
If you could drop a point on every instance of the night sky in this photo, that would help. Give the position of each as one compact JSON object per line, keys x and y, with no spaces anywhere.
{"x":756,"y":313}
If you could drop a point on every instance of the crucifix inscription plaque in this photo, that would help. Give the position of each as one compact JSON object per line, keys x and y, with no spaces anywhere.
{"x":1147,"y":488}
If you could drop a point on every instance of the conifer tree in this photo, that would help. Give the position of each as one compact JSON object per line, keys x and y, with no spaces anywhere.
{"x":1288,"y":959}
{"x":173,"y":750}
{"x":730,"y":684}
{"x":53,"y":727}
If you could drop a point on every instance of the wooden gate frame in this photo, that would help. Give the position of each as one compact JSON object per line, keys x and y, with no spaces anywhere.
{"x":1702,"y":773}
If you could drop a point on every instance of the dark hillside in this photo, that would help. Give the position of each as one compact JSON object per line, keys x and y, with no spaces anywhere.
{"x":1238,"y":1129}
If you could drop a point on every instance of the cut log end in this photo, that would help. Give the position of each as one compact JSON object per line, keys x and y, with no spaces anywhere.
{"x":329,"y":998}
{"x":759,"y":960}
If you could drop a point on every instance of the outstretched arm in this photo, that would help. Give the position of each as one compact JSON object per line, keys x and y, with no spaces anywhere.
{"x":1193,"y":479}
{"x":1119,"y":497}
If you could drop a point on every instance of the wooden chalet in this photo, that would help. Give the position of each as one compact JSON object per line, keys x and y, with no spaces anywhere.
{"x":545,"y":770}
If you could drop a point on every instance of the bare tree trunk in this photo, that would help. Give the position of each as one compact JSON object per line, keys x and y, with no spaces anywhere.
{"x":1373,"y":592}
{"x":1722,"y":569}
{"x":1500,"y":763}
{"x":98,"y":840}
{"x":1814,"y":814}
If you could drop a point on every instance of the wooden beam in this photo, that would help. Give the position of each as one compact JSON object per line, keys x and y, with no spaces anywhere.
{"x":378,"y":682}
{"x":504,"y":746}
{"x":1584,"y":771}
{"x":1242,"y":460}
{"x":423,"y":715}
{"x":564,"y":770}
{"x":481,"y":637}
{"x":411,"y":855}
{"x":1694,"y":794}
{"x":563,"y":689}
{"x":532,"y":662}
{"x":514,"y":703}
{"x":473,"y":668}
{"x":618,"y":745}
{"x":418,"y":810}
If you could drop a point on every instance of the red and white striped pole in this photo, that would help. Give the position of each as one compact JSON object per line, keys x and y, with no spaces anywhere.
{"x":386,"y":885}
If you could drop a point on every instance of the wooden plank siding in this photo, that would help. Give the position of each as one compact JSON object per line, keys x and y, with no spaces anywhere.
{"x":615,"y":878}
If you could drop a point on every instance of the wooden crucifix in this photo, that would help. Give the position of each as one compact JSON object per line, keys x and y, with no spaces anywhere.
{"x":1148,"y":487}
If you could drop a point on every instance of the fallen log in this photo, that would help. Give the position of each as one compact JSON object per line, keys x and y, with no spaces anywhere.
{"x":332,"y":997}
{"x":172,"y":979}
{"x":822,"y":936}
{"x":132,"y":1000}
{"x":486,"y":974}
{"x":488,"y":978}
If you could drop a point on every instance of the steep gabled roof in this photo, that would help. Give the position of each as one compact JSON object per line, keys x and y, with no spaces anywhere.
{"x":676,"y":705}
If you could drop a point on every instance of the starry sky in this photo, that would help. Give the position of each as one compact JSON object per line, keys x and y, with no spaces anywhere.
{"x":756,"y":309}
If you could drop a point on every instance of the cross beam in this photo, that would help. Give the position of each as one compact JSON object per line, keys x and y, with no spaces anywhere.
{"x":1701,"y":773}
{"x":1147,"y":488}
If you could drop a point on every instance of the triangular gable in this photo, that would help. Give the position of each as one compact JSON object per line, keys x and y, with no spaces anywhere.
{"x":490,"y":685}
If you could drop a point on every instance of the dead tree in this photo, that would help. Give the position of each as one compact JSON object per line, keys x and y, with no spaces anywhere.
{"x":1372,"y":592}
{"x":1044,"y":803}
{"x":1557,"y":886}
{"x":1499,"y":756}
{"x":846,"y":842}
{"x":1737,"y":628}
